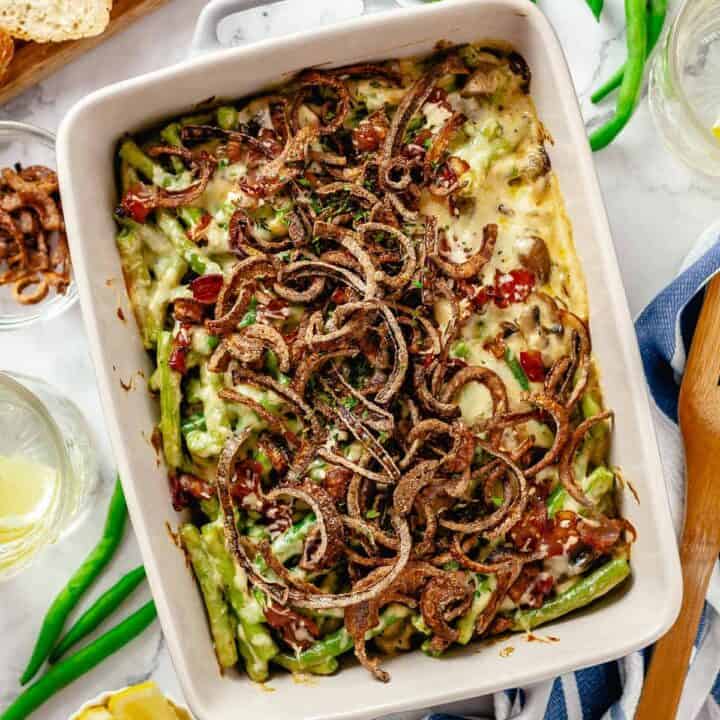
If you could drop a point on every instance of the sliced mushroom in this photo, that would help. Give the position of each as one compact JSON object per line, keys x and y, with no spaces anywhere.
{"x":534,"y":255}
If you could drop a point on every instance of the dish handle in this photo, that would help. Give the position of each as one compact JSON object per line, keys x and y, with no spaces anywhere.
{"x":220,"y":23}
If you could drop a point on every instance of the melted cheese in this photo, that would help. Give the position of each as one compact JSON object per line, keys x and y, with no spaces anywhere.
{"x":435,"y":116}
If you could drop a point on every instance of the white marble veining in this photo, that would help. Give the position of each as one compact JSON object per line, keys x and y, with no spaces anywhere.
{"x":656,"y":207}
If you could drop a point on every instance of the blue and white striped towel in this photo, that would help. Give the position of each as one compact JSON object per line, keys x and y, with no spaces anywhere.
{"x":611,"y":691}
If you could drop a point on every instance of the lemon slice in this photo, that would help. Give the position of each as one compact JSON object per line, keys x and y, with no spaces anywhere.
{"x":716,"y":128}
{"x":96,"y":713}
{"x":27,"y":491}
{"x":141,"y":702}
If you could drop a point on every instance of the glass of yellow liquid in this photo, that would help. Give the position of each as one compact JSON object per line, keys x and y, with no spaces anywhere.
{"x":684,"y":86}
{"x":48,"y":469}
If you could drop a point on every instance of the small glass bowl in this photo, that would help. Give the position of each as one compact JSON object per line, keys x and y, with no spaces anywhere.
{"x":38,"y":424}
{"x":684,"y":87}
{"x":29,"y":145}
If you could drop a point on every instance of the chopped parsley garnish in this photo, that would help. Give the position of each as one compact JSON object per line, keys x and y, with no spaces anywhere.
{"x":372,"y":514}
{"x":250,"y":316}
{"x":349,"y":402}
{"x":516,"y":369}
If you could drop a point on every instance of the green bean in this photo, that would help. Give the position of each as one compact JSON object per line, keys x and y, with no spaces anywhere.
{"x":272,"y":364}
{"x":169,"y":270}
{"x":227,"y":117}
{"x":516,"y":369}
{"x":556,"y":501}
{"x":290,"y":543}
{"x":481,"y":598}
{"x":191,"y":216}
{"x":587,"y":590}
{"x":430,"y":650}
{"x":131,"y":153}
{"x":341,"y":641}
{"x":657,"y":11}
{"x":598,"y":483}
{"x":138,"y":281}
{"x":327,"y":667}
{"x":208,"y":442}
{"x":136,"y":158}
{"x":81,"y":580}
{"x":196,"y":421}
{"x":128,"y":176}
{"x":101,"y":609}
{"x":218,"y":611}
{"x":253,"y":636}
{"x":250,"y":316}
{"x":200,"y":264}
{"x":211,"y":508}
{"x":197,"y":119}
{"x":637,"y":41}
{"x":81,"y":662}
{"x":596,"y":6}
{"x":171,"y":135}
{"x":170,"y":399}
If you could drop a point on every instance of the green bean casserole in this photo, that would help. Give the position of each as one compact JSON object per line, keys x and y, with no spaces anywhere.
{"x":378,"y":404}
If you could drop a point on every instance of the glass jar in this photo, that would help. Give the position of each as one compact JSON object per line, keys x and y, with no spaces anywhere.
{"x":48,"y":468}
{"x":28,"y":145}
{"x":685,"y":85}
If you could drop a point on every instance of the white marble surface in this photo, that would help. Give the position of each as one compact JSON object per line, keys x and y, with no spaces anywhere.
{"x":656,"y":208}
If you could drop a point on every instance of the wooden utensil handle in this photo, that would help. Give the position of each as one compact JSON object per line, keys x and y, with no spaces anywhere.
{"x":700,"y":424}
{"x":666,"y":677}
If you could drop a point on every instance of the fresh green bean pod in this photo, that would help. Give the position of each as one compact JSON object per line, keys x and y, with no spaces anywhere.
{"x":637,"y":41}
{"x":596,"y":7}
{"x":657,"y":12}
{"x":81,"y":580}
{"x":81,"y":662}
{"x":101,"y":609}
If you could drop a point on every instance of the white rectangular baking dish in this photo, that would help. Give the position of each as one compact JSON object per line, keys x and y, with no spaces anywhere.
{"x":86,"y":149}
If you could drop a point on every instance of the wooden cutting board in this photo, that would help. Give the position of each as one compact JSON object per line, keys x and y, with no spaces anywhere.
{"x":33,"y":61}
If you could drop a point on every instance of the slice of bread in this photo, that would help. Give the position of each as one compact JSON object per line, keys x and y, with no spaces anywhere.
{"x":54,"y":20}
{"x":7,"y":50}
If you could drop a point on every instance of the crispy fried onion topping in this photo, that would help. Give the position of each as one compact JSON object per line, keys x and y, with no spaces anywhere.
{"x":327,"y":353}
